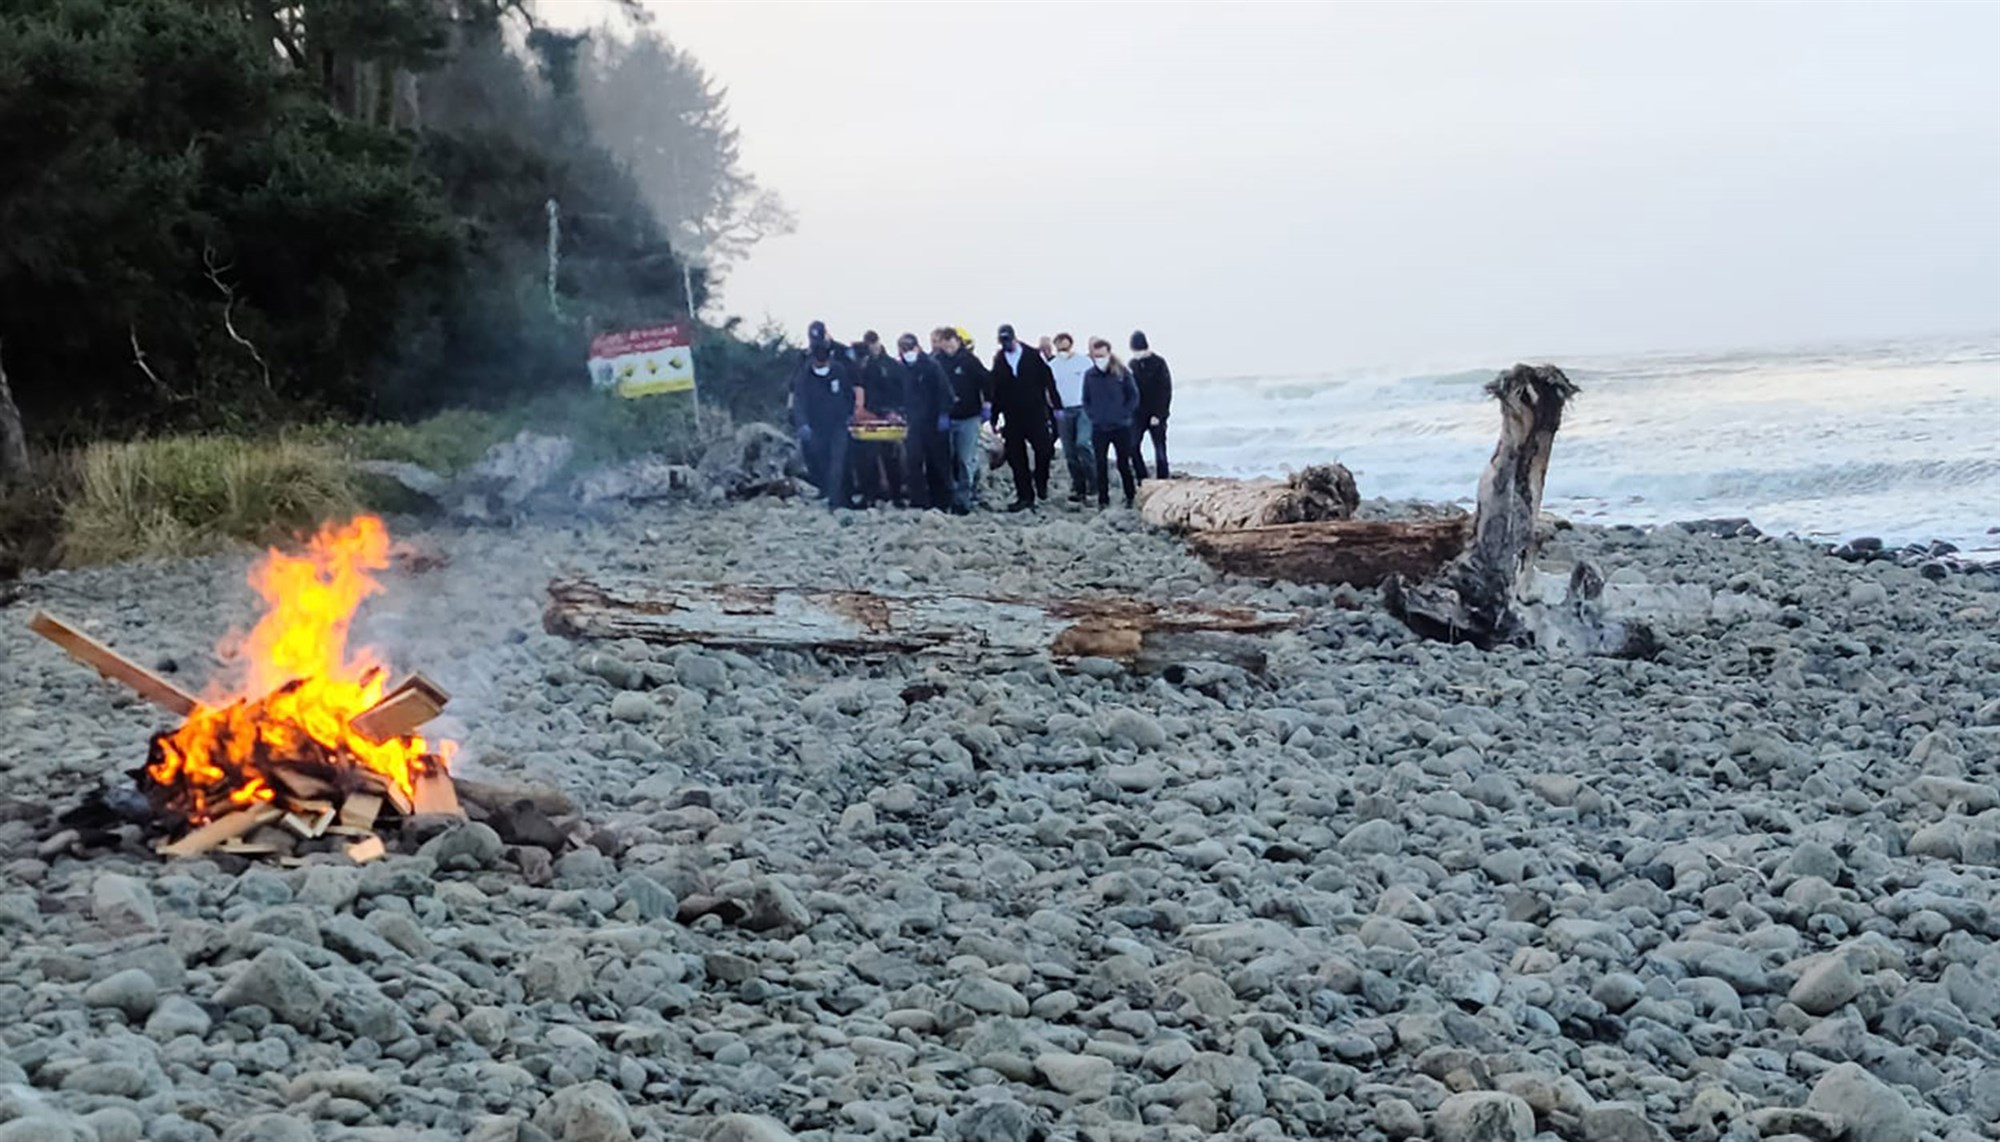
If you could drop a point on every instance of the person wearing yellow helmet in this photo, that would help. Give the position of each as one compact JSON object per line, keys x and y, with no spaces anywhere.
{"x":971,"y":390}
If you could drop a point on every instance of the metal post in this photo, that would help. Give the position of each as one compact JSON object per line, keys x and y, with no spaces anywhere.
{"x":555,"y":257}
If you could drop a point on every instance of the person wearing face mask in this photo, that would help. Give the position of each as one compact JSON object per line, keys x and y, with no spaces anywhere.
{"x":878,"y":464}
{"x":1024,"y":398}
{"x":1072,"y":422}
{"x":1156,"y":399}
{"x":971,"y":390}
{"x":1111,"y":400}
{"x":824,"y":400}
{"x":927,"y":399}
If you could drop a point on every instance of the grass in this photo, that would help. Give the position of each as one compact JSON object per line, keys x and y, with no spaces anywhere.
{"x":176,"y":496}
{"x":186,"y":495}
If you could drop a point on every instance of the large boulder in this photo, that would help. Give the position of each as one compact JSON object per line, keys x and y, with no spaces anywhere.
{"x":758,"y":460}
{"x":640,"y":481}
{"x":492,"y":490}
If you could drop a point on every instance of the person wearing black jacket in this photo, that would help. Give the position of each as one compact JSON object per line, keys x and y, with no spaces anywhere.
{"x":824,"y":397}
{"x":971,"y":391}
{"x":1156,"y":400}
{"x":927,"y":399}
{"x":1024,"y":396}
{"x":878,"y":467}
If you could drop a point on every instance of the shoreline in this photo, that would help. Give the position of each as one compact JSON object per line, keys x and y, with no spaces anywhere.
{"x":1385,"y":882}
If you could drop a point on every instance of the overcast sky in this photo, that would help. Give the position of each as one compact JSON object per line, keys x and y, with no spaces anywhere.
{"x":1290,"y":187}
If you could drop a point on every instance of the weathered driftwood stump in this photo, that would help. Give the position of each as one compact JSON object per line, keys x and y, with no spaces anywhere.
{"x":1482,"y":596}
{"x":1320,"y":492}
{"x":1148,"y":637}
{"x":1364,"y":553}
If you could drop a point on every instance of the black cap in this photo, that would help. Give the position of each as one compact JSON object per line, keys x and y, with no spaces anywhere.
{"x":1139,"y":341}
{"x":1006,"y":333}
{"x":816,"y":332}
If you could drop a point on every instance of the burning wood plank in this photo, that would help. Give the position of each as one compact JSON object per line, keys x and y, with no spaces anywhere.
{"x":222,"y":830}
{"x":360,"y":810}
{"x":413,"y":702}
{"x":308,"y":827}
{"x":876,"y":624}
{"x":300,"y":784}
{"x":434,"y":794}
{"x":113,"y":665}
{"x":363,"y":851}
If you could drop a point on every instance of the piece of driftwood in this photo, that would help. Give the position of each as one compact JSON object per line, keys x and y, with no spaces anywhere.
{"x":1320,"y":492}
{"x":1364,"y":553}
{"x":1482,"y":596}
{"x":412,"y":702}
{"x":1139,"y":633}
{"x":113,"y":665}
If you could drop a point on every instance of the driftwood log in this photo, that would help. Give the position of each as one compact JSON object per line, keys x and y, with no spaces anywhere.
{"x":1365,"y":553}
{"x":1483,"y":595}
{"x":1147,"y":637}
{"x":1320,"y":492}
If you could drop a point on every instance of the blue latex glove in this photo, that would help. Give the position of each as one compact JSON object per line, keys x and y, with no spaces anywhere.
{"x":986,"y":411}
{"x":805,"y":433}
{"x":944,"y":422}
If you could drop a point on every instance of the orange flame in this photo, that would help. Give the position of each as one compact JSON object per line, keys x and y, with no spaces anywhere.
{"x":302,"y":687}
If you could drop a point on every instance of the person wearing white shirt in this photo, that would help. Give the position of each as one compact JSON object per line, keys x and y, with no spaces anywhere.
{"x":1072,"y":425}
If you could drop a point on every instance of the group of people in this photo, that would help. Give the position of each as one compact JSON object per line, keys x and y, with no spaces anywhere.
{"x":905,"y":427}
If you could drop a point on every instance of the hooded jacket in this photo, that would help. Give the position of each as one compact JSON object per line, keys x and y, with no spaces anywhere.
{"x":1025,"y":391}
{"x":971,"y":387}
{"x":1110,"y":398}
{"x":1156,"y":386}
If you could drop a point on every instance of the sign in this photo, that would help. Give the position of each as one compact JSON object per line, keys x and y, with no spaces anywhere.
{"x":641,"y":362}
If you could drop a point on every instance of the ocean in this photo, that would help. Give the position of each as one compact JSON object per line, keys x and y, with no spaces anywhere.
{"x":1898,"y":439}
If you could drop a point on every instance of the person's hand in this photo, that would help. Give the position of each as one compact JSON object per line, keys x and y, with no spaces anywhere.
{"x":944,"y":422}
{"x":986,"y":410}
{"x":805,"y":433}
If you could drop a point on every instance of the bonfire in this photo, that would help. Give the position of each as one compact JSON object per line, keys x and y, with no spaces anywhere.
{"x":311,"y":738}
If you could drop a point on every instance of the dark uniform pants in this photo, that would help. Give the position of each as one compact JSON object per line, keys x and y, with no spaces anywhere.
{"x":1022,"y":434}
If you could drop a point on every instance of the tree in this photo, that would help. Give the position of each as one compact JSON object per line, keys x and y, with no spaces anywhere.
{"x":187,"y":234}
{"x":14,"y":467}
{"x":232,"y":213}
{"x":655,"y":108}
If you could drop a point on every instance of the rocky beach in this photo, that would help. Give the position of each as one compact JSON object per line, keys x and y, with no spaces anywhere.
{"x":1391,"y":889}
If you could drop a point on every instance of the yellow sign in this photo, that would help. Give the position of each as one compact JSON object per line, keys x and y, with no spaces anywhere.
{"x":643,"y":362}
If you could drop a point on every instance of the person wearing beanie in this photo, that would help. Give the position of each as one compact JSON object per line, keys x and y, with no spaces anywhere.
{"x":1111,"y":400}
{"x":927,"y":399}
{"x":1156,"y":399}
{"x":1024,"y":397}
{"x":1072,"y":420}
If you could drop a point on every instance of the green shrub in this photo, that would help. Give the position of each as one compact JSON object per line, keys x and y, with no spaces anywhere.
{"x":185,"y":495}
{"x":446,"y":443}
